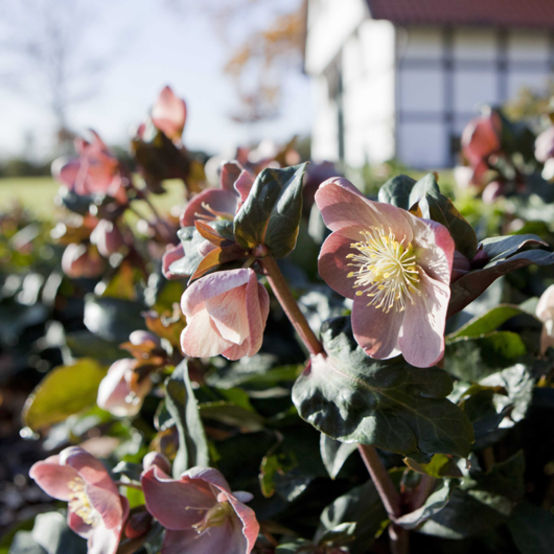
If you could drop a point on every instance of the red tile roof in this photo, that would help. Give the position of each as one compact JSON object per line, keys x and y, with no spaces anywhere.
{"x":500,"y":13}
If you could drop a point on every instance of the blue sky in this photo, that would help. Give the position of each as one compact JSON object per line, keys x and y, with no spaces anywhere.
{"x":156,"y":45}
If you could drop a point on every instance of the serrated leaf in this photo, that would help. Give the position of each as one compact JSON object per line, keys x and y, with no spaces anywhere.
{"x":386,"y":403}
{"x":64,"y":391}
{"x":181,"y":404}
{"x":270,"y":215}
{"x":334,"y":453}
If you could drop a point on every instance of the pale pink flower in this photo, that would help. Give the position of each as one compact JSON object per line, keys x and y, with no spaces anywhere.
{"x":545,"y":312}
{"x":81,"y":260}
{"x":544,"y":145}
{"x":396,"y":267}
{"x":169,"y":114}
{"x":107,"y":237}
{"x":95,"y":172}
{"x":96,"y":510}
{"x":120,"y":392}
{"x":226,"y":314}
{"x":200,"y":513}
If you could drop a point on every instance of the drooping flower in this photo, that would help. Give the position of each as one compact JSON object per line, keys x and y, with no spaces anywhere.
{"x":121,"y":391}
{"x":169,"y":114}
{"x":199,"y":512}
{"x":545,"y":312}
{"x":396,"y":267}
{"x":95,"y":171}
{"x":226,"y":314}
{"x":96,"y":510}
{"x":81,"y":260}
{"x":480,"y":139}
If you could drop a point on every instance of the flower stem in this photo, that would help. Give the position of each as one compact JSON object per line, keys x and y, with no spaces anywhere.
{"x":389,"y":497}
{"x":288,"y":303}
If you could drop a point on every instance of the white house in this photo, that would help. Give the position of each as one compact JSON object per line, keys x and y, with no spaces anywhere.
{"x":401,"y":78}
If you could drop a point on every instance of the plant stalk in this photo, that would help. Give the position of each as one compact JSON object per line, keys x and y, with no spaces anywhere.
{"x":283,"y":294}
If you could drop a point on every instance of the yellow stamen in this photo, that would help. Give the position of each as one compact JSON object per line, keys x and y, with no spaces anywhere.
{"x":79,"y":502}
{"x":386,"y":270}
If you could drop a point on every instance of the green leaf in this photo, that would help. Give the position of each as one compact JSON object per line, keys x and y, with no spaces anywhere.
{"x":112,"y":319}
{"x":361,"y":506}
{"x":396,"y":191}
{"x":472,"y":359}
{"x":488,"y":322}
{"x":435,"y":502}
{"x":532,"y":529}
{"x":439,"y":466}
{"x":500,"y":255}
{"x":231,"y":414}
{"x":182,"y":405}
{"x":334,"y":453}
{"x":386,"y":403}
{"x":64,"y":391}
{"x":434,"y":205}
{"x":483,"y":501}
{"x":271,"y":213}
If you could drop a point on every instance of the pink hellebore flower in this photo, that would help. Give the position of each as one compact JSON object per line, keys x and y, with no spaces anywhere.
{"x":95,"y":172}
{"x":545,"y":312}
{"x":169,"y":114}
{"x":226,"y":314}
{"x":120,"y":392}
{"x":200,"y":513}
{"x":81,"y":260}
{"x":480,"y":139}
{"x":96,"y":511}
{"x":107,"y":237}
{"x":396,"y":267}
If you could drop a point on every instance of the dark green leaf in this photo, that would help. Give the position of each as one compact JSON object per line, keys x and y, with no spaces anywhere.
{"x":64,"y":391}
{"x":475,"y":358}
{"x":112,"y":319}
{"x":488,"y":322}
{"x":231,"y":414}
{"x":396,"y":191}
{"x":182,"y":405}
{"x":499,"y":248}
{"x":387,"y":403}
{"x":334,"y":453}
{"x":532,"y":529}
{"x":271,"y":213}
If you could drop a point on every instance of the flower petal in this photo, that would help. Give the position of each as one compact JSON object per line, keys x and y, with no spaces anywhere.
{"x":176,"y":504}
{"x":226,"y":538}
{"x":89,"y":468}
{"x":53,"y":478}
{"x":421,"y":338}
{"x":200,"y":338}
{"x":374,"y":330}
{"x":218,"y":200}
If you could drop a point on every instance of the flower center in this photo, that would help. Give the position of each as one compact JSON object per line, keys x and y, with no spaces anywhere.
{"x":215,"y":516}
{"x":79,"y":502}
{"x":386,"y":270}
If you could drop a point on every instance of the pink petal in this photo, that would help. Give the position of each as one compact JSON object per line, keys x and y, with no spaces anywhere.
{"x":177,"y":505}
{"x":545,"y":306}
{"x":53,"y":478}
{"x":169,"y":114}
{"x":208,"y":474}
{"x":333,"y":264}
{"x":220,"y":201}
{"x":374,"y":330}
{"x":107,"y":504}
{"x":172,"y":254}
{"x":78,"y":525}
{"x":224,"y":539}
{"x":229,"y":313}
{"x":247,"y":516}
{"x":210,"y":286}
{"x":342,"y":205}
{"x":89,"y":468}
{"x":421,"y":338}
{"x":229,"y":173}
{"x":200,"y":338}
{"x":243,"y":185}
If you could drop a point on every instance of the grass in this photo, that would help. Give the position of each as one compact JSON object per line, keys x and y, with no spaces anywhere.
{"x":38,"y":195}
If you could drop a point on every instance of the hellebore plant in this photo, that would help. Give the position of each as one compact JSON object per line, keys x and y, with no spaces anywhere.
{"x":396,"y":268}
{"x":96,"y":511}
{"x":226,"y":314}
{"x":199,"y":512}
{"x":545,"y":312}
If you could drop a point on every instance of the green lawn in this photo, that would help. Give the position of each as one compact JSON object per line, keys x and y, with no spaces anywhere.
{"x":38,"y":195}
